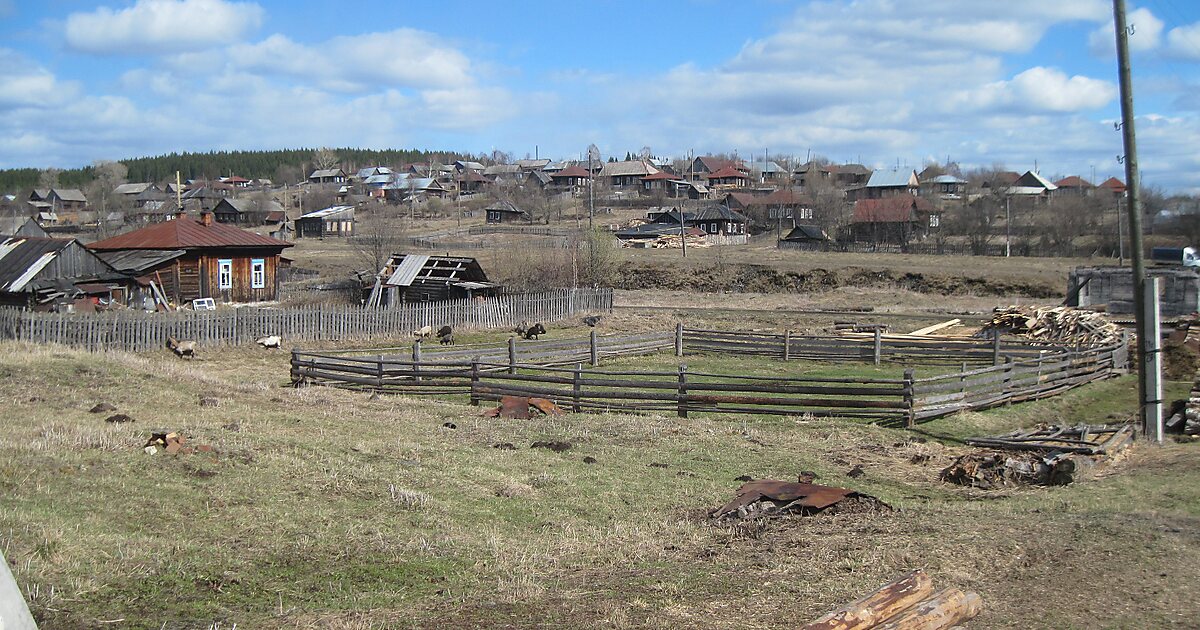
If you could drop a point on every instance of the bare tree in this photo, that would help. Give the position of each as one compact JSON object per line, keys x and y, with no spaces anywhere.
{"x":377,"y":235}
{"x":325,"y":158}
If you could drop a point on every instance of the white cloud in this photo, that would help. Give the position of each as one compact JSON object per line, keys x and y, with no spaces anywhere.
{"x":162,"y":26}
{"x":404,"y":57}
{"x":1146,"y":35}
{"x":1039,"y":89}
{"x":24,"y":83}
{"x":1184,"y":42}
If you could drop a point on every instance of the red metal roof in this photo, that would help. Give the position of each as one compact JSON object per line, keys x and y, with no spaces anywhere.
{"x":572,"y":171}
{"x":1114,"y":184}
{"x":1074,"y":181}
{"x":659,"y":175}
{"x":186,"y":234}
{"x":727,"y":172}
{"x":898,"y":209}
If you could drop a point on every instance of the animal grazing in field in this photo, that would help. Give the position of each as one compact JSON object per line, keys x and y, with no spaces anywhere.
{"x":182,"y":348}
{"x":271,"y":341}
{"x":423,"y":332}
{"x":591,"y":320}
{"x":520,"y":329}
{"x":533,"y":331}
{"x":445,"y":335}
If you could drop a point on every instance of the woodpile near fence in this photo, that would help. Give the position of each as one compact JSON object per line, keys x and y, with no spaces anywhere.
{"x":1012,"y":373}
{"x":138,"y":331}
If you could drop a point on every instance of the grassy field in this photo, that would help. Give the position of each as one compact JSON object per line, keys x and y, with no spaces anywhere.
{"x":324,"y":508}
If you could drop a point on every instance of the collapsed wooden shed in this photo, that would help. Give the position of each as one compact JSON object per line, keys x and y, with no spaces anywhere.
{"x":423,"y":278}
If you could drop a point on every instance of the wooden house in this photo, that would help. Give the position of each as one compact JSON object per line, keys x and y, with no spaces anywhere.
{"x":218,"y":261}
{"x":885,"y":183}
{"x":470,"y":181}
{"x":505,"y":212}
{"x":21,"y":225}
{"x":1075,"y":186}
{"x":243,"y":211}
{"x":573,"y":178}
{"x":728,"y":177}
{"x":327,"y":176}
{"x":45,"y":273}
{"x":331,"y":221}
{"x":422,"y":278}
{"x":898,"y":219}
{"x":1112,"y":187}
{"x":805,"y":237}
{"x":626,"y":174}
{"x":704,"y":165}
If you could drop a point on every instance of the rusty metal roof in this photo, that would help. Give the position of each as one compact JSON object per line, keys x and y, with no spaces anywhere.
{"x":802,"y":494}
{"x":187,"y":234}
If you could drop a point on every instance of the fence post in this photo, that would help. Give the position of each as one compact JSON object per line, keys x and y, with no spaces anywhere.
{"x":910,"y":419}
{"x":575,"y":387}
{"x":878,"y":346}
{"x":512,"y":355}
{"x":682,"y":398}
{"x":1008,"y":369}
{"x":679,"y":339}
{"x":787,"y":345}
{"x":416,"y":358}
{"x":962,"y":380}
{"x":379,"y":372}
{"x":995,"y":347}
{"x":595,"y":354}
{"x":474,"y":382}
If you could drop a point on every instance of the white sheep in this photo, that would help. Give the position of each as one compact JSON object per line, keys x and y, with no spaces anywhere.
{"x":271,"y":341}
{"x":423,"y":332}
{"x":182,"y":348}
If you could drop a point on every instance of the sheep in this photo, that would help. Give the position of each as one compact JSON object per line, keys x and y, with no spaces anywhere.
{"x":423,"y":332}
{"x":445,"y":335}
{"x":591,"y":320}
{"x":182,"y":348}
{"x":271,"y":341}
{"x":533,"y":331}
{"x":520,"y":329}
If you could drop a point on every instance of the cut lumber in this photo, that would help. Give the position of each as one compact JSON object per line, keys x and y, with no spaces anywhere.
{"x":945,"y":609}
{"x":886,"y":602}
{"x":929,"y":330}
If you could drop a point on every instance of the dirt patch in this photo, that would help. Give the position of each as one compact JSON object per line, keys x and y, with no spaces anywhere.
{"x":751,"y":278}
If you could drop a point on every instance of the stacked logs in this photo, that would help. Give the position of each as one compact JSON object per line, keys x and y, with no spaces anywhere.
{"x":1060,"y":324}
{"x":906,"y":603}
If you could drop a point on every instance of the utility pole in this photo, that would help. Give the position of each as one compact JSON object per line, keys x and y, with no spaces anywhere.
{"x":1007,"y":226}
{"x":1149,"y":407}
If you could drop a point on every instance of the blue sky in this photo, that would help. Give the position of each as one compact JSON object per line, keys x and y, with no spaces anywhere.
{"x":1013,"y":83}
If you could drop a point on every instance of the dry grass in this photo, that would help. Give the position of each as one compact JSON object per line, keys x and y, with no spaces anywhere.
{"x":327,"y":509}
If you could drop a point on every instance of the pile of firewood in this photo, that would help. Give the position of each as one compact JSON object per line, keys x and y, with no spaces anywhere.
{"x":906,"y":602}
{"x":1060,"y":324}
{"x":1047,"y":455}
{"x":1187,"y":421}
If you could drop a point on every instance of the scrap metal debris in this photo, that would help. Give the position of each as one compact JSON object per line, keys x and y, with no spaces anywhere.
{"x":522,"y":407}
{"x":1046,"y":456}
{"x":1059,"y":324}
{"x":767,"y":497}
{"x":174,"y":444}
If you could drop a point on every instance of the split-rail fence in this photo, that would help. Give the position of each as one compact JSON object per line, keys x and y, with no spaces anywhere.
{"x":138,"y":331}
{"x":991,"y":373}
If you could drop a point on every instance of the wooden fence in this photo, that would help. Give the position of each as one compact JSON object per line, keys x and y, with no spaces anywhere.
{"x":138,"y":331}
{"x":488,"y":372}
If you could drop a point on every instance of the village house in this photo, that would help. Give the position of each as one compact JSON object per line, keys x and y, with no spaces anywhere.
{"x":1074,"y":186}
{"x":189,"y":260}
{"x":244,"y":211}
{"x":41,"y":273}
{"x":811,"y":174}
{"x":470,"y":181}
{"x":327,"y":176}
{"x":1031,"y":187}
{"x":132,"y":190}
{"x":422,"y":278}
{"x":705,"y":165}
{"x":850,"y":175}
{"x":625,"y":174}
{"x":716,"y":222}
{"x":505,"y":212}
{"x":727,"y":177}
{"x":769,"y":172}
{"x":947,"y":187}
{"x":331,"y":221}
{"x":805,"y":237}
{"x":658,"y":184}
{"x":883,"y":184}
{"x":572,"y":178}
{"x":897,"y":219}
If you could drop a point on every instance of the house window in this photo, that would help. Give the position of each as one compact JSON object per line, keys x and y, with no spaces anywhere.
{"x":258,"y":273}
{"x":934,"y":220}
{"x":806,"y":213}
{"x":225,"y":274}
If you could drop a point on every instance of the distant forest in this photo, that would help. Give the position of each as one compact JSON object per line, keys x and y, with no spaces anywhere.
{"x":283,"y":165}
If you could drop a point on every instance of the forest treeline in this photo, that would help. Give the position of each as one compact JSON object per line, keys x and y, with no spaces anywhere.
{"x":280,"y":165}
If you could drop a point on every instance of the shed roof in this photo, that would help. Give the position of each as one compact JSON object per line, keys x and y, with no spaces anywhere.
{"x":327,"y":172}
{"x":622,"y":169}
{"x":139,"y":260}
{"x":726,"y":173}
{"x":21,"y":258}
{"x":892,"y":179}
{"x":573,"y":170}
{"x":70,"y":194}
{"x":807,"y":233}
{"x":898,"y":209}
{"x":186,"y":233}
{"x":326,"y":212}
{"x":1073,"y":181}
{"x":718,"y":212}
{"x":132,"y":188}
{"x":1033,"y":180}
{"x":404,"y":270}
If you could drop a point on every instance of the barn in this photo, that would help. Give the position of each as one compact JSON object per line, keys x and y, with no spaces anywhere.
{"x":42,"y":273}
{"x":332,"y":221}
{"x":218,"y":261}
{"x":423,"y":278}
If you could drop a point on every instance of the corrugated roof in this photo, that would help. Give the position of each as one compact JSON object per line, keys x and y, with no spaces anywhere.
{"x":186,"y":234}
{"x":70,"y":194}
{"x":407,"y":270}
{"x":572,"y":171}
{"x":891,"y":179}
{"x":727,"y":172}
{"x":619,"y":169}
{"x":139,"y":260}
{"x":717,"y":212}
{"x":898,"y":209}
{"x":1074,"y":181}
{"x":21,"y":258}
{"x":132,"y":188}
{"x":767,"y":167}
{"x":327,"y":172}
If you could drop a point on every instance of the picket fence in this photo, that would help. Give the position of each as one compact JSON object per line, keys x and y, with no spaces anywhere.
{"x":138,"y":331}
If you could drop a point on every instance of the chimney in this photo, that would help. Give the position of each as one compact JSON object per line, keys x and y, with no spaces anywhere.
{"x":206,"y":218}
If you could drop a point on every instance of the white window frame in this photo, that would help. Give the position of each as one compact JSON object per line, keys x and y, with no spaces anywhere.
{"x":935,"y":220}
{"x":224,"y":274}
{"x":258,"y":273}
{"x":806,"y":213}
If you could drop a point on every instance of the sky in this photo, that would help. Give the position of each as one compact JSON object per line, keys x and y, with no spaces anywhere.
{"x":1022,"y":84}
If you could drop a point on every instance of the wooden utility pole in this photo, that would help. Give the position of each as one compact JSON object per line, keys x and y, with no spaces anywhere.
{"x":1149,"y":410}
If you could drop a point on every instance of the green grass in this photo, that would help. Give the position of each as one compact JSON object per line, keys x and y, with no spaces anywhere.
{"x":327,"y":509}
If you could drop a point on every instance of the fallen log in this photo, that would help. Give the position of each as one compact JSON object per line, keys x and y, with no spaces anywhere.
{"x":945,"y":609}
{"x":889,"y":600}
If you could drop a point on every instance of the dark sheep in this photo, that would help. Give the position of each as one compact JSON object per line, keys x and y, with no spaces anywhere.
{"x":445,"y":336}
{"x":533,"y":331}
{"x":591,"y":320}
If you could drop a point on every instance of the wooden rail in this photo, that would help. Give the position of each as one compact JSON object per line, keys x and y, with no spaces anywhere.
{"x":138,"y":331}
{"x":533,"y":368}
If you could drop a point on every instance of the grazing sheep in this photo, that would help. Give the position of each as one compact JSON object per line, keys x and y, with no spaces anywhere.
{"x":533,"y":331}
{"x":423,"y":332}
{"x":272,"y":341}
{"x":445,"y":335}
{"x":520,"y":329}
{"x":591,"y":320}
{"x":182,"y":348}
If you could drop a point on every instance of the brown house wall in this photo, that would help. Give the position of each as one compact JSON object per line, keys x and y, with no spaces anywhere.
{"x":195,"y":276}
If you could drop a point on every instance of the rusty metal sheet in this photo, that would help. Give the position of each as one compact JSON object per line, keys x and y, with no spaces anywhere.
{"x":514,"y":407}
{"x":545,"y":406}
{"x":802,"y":494}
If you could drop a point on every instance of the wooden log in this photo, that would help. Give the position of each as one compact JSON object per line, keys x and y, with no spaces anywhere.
{"x":943,"y":610}
{"x":885,"y":602}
